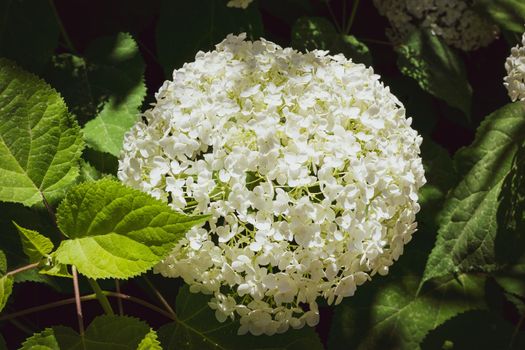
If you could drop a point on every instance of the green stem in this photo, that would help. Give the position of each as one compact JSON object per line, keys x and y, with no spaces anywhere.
{"x":86,"y":298}
{"x":23,"y":268}
{"x":102,"y":298}
{"x":78,"y":302}
{"x":69,"y":44}
{"x":339,"y":29}
{"x":516,"y":331}
{"x":160,"y":297}
{"x":119,"y":301}
{"x":355,"y":4}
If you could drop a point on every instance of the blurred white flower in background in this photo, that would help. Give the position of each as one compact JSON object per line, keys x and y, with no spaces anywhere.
{"x":453,"y":20}
{"x":307,"y":165}
{"x":515,"y":66}
{"x":239,"y":3}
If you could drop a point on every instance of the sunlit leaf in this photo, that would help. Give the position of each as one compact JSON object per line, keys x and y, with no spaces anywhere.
{"x":116,"y":231}
{"x":40,"y":143}
{"x":35,"y":245}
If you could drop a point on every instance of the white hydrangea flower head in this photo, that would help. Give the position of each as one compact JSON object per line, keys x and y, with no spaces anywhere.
{"x":306,"y":164}
{"x":243,"y":4}
{"x":515,"y":66}
{"x":453,"y":20}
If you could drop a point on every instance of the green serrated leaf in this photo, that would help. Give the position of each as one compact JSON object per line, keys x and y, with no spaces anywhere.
{"x":508,"y":14}
{"x":394,"y":316}
{"x":116,"y":231}
{"x":6,"y":287}
{"x":44,"y":340}
{"x":317,"y":33}
{"x":491,"y":332}
{"x":35,"y":245}
{"x":104,"y":333}
{"x":40,"y":143}
{"x":28,"y":32}
{"x":197,"y":328}
{"x":116,"y":74}
{"x":185,"y":27}
{"x":150,"y":342}
{"x":469,"y":224}
{"x":437,"y":68}
{"x":510,"y":237}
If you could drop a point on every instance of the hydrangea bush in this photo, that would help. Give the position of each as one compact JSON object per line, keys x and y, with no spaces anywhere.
{"x":306,"y":164}
{"x":251,"y":174}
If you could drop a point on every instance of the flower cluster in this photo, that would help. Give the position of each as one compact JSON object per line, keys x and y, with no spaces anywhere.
{"x":515,"y":66}
{"x":453,"y":20}
{"x":306,"y":164}
{"x":243,"y":4}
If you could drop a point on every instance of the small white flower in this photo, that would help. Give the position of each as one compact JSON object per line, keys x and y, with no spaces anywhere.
{"x":515,"y":66}
{"x":305,"y":163}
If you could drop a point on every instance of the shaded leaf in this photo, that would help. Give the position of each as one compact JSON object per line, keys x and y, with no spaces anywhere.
{"x":185,"y":27}
{"x":6,"y":287}
{"x":3,"y":345}
{"x":197,"y":328}
{"x":115,"y":73}
{"x":40,"y":143}
{"x":28,"y":32}
{"x":510,"y":237}
{"x":116,"y":231}
{"x":468,"y":222}
{"x":104,"y":333}
{"x":475,"y":330}
{"x":393,"y":316}
{"x":508,"y":14}
{"x":437,"y":68}
{"x":35,"y":245}
{"x":311,"y":33}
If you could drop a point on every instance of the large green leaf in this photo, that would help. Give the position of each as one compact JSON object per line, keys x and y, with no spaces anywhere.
{"x":104,"y":333}
{"x":311,"y":33}
{"x":28,"y":31}
{"x":35,"y":245}
{"x":6,"y":287}
{"x":394,"y":316}
{"x":197,"y":328}
{"x":40,"y":143}
{"x":469,"y":219}
{"x":116,"y":231}
{"x":185,"y":27}
{"x":510,"y":237}
{"x":508,"y":14}
{"x":437,"y":68}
